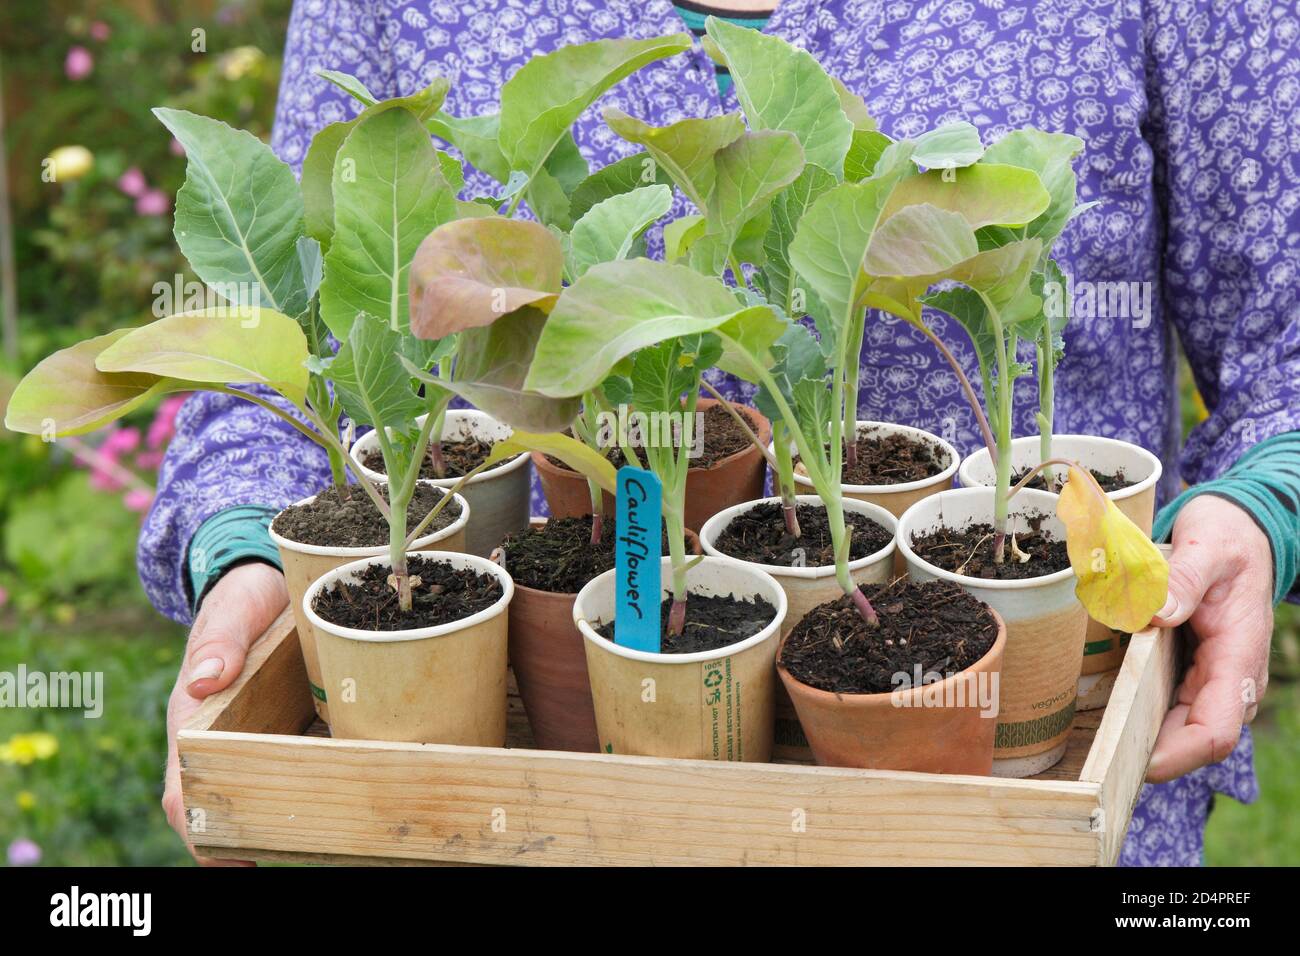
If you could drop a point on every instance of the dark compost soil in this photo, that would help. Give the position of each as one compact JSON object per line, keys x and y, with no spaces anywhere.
{"x":893,"y":458}
{"x":935,"y":624}
{"x":559,"y":556}
{"x":355,"y":522}
{"x":712,"y":622}
{"x":1109,"y":481}
{"x":970,"y":552}
{"x":444,"y":594}
{"x":759,"y":535}
{"x":460,"y":457}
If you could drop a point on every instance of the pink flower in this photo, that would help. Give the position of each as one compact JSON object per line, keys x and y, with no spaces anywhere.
{"x":176,"y":147}
{"x":101,"y":31}
{"x":79,"y":63}
{"x":23,"y":852}
{"x":120,"y":441}
{"x":163,"y":426}
{"x":132,"y":182}
{"x":4,"y":597}
{"x":149,"y":460}
{"x":137,"y":499}
{"x":154,"y":202}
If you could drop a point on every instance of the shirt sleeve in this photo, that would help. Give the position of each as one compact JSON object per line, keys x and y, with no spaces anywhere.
{"x":1222,"y":127}
{"x":1265,"y":483}
{"x":230,"y":537}
{"x":226,"y":452}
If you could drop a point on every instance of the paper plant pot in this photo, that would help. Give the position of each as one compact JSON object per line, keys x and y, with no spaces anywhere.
{"x":436,"y":685}
{"x":304,"y":563}
{"x":732,"y":480}
{"x":945,"y":727}
{"x":1045,"y":626}
{"x":805,"y":588}
{"x":550,"y":665}
{"x":1103,"y":651}
{"x":714,"y":705}
{"x":498,"y":498}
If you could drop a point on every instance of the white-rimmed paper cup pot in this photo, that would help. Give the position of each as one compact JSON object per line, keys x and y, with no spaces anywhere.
{"x":805,"y":588}
{"x":1045,"y":623}
{"x":498,"y":498}
{"x":896,"y":498}
{"x":711,"y":705}
{"x":1103,"y":651}
{"x":433,"y":685}
{"x":304,"y":563}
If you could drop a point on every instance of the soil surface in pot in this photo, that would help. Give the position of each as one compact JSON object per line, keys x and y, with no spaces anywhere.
{"x":332,"y":521}
{"x":722,"y":439}
{"x":459,"y":457}
{"x":892,"y":458}
{"x":443,"y":594}
{"x":713,"y":622}
{"x":759,"y":535}
{"x":970,"y":552}
{"x":935,"y":624}
{"x":1109,"y":481}
{"x":559,"y":556}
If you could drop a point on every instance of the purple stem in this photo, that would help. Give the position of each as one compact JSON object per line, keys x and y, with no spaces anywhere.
{"x":677,"y":618}
{"x":864,"y":607}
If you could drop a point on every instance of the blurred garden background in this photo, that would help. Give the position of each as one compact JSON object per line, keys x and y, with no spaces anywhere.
{"x":84,"y":252}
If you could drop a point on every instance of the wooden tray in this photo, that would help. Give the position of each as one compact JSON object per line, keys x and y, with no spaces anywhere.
{"x":263,"y":780}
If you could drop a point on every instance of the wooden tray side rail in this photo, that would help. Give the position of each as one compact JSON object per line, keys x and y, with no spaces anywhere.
{"x":258,"y":787}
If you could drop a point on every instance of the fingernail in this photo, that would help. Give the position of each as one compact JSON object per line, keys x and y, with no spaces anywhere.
{"x":1170,"y":609}
{"x":207,"y":670}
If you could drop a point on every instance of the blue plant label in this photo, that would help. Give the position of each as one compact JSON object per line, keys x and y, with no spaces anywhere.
{"x":639,"y":507}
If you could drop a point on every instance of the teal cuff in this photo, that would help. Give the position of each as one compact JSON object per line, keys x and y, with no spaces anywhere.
{"x":228,"y":538}
{"x":1265,"y":483}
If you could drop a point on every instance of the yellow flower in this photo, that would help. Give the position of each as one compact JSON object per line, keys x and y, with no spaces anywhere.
{"x":70,"y":162}
{"x":26,"y":800}
{"x":240,"y":61}
{"x":24,"y":749}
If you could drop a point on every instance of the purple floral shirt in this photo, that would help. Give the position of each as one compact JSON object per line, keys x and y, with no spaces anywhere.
{"x":1190,"y":119}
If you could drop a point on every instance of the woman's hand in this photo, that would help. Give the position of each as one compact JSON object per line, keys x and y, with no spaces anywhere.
{"x":1221,"y":585}
{"x":234,"y":614}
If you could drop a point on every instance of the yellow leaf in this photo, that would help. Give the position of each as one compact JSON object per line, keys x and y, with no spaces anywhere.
{"x":587,"y":462}
{"x":1123,"y":579}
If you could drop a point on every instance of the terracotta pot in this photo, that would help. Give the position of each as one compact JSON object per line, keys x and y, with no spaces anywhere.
{"x":713,"y":705}
{"x":1103,"y":650}
{"x":805,"y":588}
{"x":434,"y":685}
{"x":944,"y":727}
{"x":1045,"y":626}
{"x":304,"y":563}
{"x":550,"y":665}
{"x":498,"y":498}
{"x":731,"y":481}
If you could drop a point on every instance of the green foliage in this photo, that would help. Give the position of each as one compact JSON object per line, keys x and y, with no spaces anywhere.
{"x":239,"y":214}
{"x":389,"y":194}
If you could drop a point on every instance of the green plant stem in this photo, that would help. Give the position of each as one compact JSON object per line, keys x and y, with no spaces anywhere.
{"x":852,"y":358}
{"x":783,"y":468}
{"x":1046,"y":406}
{"x":455,"y":489}
{"x":680,"y":466}
{"x":1002,"y":490}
